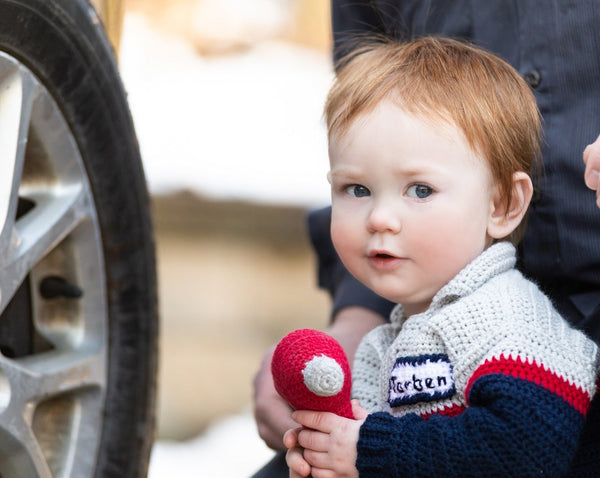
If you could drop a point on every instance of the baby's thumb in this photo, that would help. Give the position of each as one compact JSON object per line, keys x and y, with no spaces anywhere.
{"x":290,"y":438}
{"x":359,"y":412}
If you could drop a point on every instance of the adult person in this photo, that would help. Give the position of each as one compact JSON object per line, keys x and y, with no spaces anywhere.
{"x":553,"y":44}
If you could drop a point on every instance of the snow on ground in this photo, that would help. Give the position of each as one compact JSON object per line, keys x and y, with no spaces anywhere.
{"x":245,"y":125}
{"x":229,"y":449}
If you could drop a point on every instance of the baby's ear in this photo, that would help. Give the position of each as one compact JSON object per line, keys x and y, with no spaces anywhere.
{"x":503,"y":221}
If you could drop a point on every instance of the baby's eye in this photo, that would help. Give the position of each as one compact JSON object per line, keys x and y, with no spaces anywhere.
{"x":419,"y":191}
{"x":358,"y":191}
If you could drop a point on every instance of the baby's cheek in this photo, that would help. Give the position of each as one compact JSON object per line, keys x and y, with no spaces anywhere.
{"x":341,"y":235}
{"x":348,"y":244}
{"x":455,"y":243}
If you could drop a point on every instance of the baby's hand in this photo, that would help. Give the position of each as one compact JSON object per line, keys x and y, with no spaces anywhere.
{"x":294,"y":457}
{"x":326,"y":446}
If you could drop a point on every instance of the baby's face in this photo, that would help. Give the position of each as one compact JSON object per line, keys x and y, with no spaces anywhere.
{"x":411,"y":204}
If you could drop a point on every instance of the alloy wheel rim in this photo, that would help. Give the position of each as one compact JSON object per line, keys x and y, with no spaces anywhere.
{"x":51,"y":394}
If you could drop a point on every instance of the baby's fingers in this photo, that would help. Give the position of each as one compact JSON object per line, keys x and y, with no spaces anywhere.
{"x":322,"y":421}
{"x":290,"y":438}
{"x":317,"y":459}
{"x":298,"y":466}
{"x":313,"y":440}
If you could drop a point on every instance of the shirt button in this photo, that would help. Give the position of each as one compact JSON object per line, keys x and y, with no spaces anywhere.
{"x":533,"y":78}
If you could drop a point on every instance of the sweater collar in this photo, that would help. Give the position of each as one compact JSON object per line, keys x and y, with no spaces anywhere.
{"x":497,"y":258}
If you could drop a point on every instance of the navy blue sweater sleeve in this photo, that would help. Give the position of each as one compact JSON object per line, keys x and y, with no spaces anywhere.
{"x":512,"y":428}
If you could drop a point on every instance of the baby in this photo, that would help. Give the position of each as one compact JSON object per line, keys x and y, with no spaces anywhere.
{"x":432,"y":147}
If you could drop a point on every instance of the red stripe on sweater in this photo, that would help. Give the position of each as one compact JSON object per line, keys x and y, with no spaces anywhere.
{"x":575,"y":396}
{"x":452,"y":411}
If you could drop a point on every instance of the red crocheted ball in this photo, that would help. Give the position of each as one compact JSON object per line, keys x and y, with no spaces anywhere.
{"x":311,"y":372}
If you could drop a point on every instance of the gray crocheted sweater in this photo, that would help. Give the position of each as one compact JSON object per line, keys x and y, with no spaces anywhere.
{"x":490,"y":350}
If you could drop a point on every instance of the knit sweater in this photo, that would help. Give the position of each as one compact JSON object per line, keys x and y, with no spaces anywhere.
{"x":489,"y":381}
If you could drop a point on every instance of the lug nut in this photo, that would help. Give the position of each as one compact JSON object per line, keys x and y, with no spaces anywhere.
{"x":55,"y":286}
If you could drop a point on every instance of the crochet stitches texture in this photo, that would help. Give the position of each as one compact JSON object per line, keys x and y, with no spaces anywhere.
{"x":489,"y":381}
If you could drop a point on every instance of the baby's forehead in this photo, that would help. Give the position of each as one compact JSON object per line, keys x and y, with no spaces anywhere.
{"x":432,"y":114}
{"x":390,"y":108}
{"x":401,"y":140}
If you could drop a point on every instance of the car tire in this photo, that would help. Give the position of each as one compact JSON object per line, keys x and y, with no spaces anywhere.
{"x":78,"y":298}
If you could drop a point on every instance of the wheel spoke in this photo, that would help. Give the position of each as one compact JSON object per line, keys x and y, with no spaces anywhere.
{"x":37,"y":378}
{"x":53,"y":218}
{"x":17,"y":93}
{"x":34,"y":381}
{"x":27,"y":458}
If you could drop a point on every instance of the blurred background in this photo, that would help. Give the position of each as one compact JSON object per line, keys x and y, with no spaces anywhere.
{"x":227,"y":99}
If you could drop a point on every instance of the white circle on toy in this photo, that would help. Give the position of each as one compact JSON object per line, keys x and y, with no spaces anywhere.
{"x":323,"y":376}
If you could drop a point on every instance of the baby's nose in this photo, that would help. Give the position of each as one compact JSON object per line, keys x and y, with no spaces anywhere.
{"x":384,"y":218}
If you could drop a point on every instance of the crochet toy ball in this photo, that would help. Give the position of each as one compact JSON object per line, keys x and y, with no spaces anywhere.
{"x":311,"y":372}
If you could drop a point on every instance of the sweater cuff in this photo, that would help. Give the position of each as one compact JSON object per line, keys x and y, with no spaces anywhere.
{"x":379,"y":443}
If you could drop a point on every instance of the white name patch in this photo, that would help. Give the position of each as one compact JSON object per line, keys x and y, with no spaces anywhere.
{"x":421,"y":379}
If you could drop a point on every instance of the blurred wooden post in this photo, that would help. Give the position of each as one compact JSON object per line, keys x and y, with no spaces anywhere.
{"x":111,"y":12}
{"x":313,"y":24}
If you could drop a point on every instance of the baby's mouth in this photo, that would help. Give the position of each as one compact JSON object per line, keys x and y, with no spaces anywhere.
{"x":383,"y":255}
{"x":384,"y":260}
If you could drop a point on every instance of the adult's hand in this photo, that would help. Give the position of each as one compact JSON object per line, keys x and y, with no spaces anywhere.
{"x":591,"y":158}
{"x":272,"y":414}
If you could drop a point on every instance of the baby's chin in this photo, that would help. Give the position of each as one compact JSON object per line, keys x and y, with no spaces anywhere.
{"x":410,"y":305}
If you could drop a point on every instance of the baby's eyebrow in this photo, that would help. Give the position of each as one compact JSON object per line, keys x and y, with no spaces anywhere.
{"x":412,"y":172}
{"x":407,"y":172}
{"x":344,"y":172}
